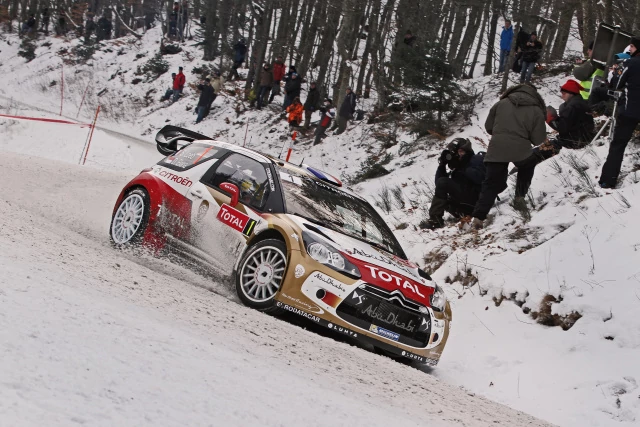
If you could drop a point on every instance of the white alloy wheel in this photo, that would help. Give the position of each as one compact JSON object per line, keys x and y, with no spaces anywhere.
{"x":261,"y":273}
{"x":128,"y":218}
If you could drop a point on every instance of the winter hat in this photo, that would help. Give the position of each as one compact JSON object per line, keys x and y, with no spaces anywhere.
{"x":571,"y":86}
{"x":207,"y":80}
{"x":533,"y":33}
{"x":635,"y":41}
{"x":460,"y":144}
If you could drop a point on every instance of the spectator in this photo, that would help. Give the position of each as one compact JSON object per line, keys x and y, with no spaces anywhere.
{"x":29,"y":26}
{"x":61,"y":25}
{"x":89,"y":28}
{"x":311,"y":104}
{"x":506,"y":38}
{"x":183,"y":18}
{"x":173,"y":24}
{"x":278,"y":75}
{"x":44,"y":24}
{"x":207,"y":96}
{"x":266,"y":81}
{"x":178,"y":85}
{"x":327,"y":113}
{"x":169,"y":91}
{"x":530,"y":56}
{"x":457,"y":191}
{"x":291,"y":89}
{"x":515,"y":123}
{"x":239,"y":53}
{"x":409,"y":38}
{"x":585,"y":71}
{"x":103,"y":31}
{"x":347,"y":109}
{"x":295,"y":112}
{"x":574,"y":124}
{"x":628,"y":85}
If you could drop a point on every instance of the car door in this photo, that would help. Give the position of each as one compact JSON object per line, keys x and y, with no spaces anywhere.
{"x":214,"y":226}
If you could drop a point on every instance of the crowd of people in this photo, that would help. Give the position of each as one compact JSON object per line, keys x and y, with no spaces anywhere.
{"x":467,"y":184}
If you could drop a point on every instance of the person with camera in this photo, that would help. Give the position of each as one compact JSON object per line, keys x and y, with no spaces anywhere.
{"x":530,"y":56}
{"x":574,"y":122}
{"x":457,"y":190}
{"x":628,"y":118}
{"x":516,"y":124}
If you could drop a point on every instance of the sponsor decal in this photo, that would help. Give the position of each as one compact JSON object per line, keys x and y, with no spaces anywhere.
{"x":175,"y":178}
{"x":299,"y":271}
{"x":170,"y":220}
{"x":389,"y":318}
{"x":382,"y":258}
{"x":378,"y":273}
{"x":295,"y":236}
{"x":202,"y":210}
{"x":384,"y":333}
{"x":271,"y":184}
{"x":414,"y":356}
{"x":330,"y":281}
{"x":342,"y":330}
{"x":298,"y":311}
{"x":236,"y":219}
{"x":304,"y":305}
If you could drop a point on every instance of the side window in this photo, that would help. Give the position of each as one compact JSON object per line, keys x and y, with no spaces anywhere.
{"x":248,"y":175}
{"x":189,"y":156}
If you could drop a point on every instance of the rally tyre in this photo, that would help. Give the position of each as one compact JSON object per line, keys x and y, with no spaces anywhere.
{"x":260,"y":274}
{"x":130,"y":220}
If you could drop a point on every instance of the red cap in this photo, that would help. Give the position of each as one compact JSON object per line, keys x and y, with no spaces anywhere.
{"x":572,"y":86}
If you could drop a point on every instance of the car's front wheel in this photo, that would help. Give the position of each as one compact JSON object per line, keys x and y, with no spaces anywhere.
{"x":130,"y":219}
{"x":260,"y":274}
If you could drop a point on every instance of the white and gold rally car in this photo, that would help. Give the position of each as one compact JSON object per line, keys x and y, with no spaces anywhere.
{"x":291,"y":237}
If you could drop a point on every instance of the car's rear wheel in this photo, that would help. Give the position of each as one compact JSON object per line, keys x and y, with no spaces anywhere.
{"x":260,"y":274}
{"x":130,"y":219}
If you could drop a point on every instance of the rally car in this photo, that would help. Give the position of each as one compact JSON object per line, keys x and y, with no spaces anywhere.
{"x":292,"y":238}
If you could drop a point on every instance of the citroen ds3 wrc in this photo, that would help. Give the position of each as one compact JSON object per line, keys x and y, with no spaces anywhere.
{"x":291,"y":237}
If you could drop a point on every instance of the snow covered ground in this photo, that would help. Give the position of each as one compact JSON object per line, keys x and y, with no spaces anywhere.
{"x":578,"y":249}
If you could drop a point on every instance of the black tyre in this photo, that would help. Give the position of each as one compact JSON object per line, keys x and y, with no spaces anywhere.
{"x":131,"y":218}
{"x":260,"y":274}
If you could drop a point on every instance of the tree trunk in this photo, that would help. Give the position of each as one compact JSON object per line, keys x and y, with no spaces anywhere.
{"x":475,"y":15}
{"x":564,"y":27}
{"x":263,"y":24}
{"x":459,"y":24}
{"x":483,"y":26}
{"x":326,"y":43}
{"x":491,"y":43}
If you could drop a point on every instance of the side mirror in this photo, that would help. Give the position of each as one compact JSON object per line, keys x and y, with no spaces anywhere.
{"x":233,"y":190}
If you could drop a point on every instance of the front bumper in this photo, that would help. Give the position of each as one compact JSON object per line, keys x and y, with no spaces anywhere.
{"x":364,"y":312}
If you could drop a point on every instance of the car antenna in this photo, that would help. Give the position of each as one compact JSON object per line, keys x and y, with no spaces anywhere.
{"x":301,"y":162}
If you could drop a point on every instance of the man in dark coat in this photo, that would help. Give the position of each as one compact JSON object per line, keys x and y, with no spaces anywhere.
{"x":516,"y":124}
{"x":628,"y":118}
{"x":104,"y":29}
{"x":311,"y":104}
{"x":457,"y":191}
{"x":347,"y":109}
{"x":44,"y":24}
{"x":574,"y":123}
{"x":206,"y":99}
{"x":278,"y":75}
{"x":530,"y":55}
{"x":292,"y":89}
{"x":239,"y":53}
{"x":89,"y":28}
{"x":266,"y":81}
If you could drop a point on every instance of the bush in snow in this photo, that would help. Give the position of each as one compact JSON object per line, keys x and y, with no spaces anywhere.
{"x":153,"y":68}
{"x":27,"y":49}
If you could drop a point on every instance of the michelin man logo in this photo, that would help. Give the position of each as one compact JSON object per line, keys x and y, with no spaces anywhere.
{"x":299,"y":271}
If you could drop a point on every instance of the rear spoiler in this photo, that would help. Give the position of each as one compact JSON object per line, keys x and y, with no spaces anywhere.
{"x":167,"y":139}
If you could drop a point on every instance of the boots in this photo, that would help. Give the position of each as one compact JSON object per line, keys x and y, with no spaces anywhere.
{"x":520,"y":204}
{"x":477,"y":224}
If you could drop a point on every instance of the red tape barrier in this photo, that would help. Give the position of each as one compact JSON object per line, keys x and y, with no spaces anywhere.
{"x":42,"y":119}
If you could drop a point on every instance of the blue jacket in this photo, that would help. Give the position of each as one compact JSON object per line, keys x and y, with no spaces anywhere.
{"x":506,"y":37}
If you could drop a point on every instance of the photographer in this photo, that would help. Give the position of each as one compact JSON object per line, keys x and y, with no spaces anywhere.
{"x":628,"y":118}
{"x":530,"y":56}
{"x":456,"y":191}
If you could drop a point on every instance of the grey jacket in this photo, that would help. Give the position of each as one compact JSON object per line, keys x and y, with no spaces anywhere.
{"x":516,"y":123}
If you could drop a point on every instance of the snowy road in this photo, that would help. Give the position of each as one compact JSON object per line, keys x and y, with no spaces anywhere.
{"x":90,"y":335}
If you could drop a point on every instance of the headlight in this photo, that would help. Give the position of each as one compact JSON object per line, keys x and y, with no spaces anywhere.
{"x":438,"y":299}
{"x":326,"y":254}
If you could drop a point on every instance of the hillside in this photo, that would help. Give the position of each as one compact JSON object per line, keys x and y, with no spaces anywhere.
{"x":572,"y":264}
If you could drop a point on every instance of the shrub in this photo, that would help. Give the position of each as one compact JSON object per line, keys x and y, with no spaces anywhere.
{"x":27,"y":49}
{"x":153,"y":68}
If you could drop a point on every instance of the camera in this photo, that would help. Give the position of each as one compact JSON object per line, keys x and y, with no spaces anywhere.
{"x":446,"y":156}
{"x":615,"y":94}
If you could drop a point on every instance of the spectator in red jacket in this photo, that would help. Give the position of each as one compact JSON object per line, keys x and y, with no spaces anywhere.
{"x":278,"y":74}
{"x":178,"y":85}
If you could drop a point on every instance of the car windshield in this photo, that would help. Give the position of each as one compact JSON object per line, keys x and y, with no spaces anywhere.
{"x":337,"y":210}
